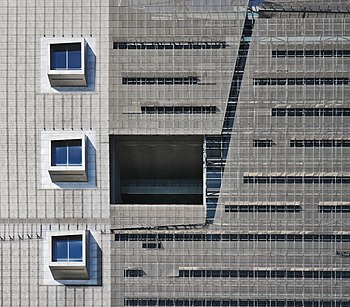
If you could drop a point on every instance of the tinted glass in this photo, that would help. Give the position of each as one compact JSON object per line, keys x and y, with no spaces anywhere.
{"x":75,"y":248}
{"x":65,"y":56}
{"x":60,"y":249}
{"x":66,"y":152}
{"x":74,"y":152}
{"x":58,"y":57}
{"x":59,"y":153}
{"x":74,"y":56}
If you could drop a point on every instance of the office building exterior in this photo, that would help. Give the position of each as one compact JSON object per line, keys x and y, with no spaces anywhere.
{"x":175,"y":153}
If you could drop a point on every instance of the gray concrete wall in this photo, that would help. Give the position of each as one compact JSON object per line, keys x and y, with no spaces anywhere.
{"x":27,"y":110}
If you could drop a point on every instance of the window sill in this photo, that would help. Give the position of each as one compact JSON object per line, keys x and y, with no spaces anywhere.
{"x":67,"y":78}
{"x":68,"y":173}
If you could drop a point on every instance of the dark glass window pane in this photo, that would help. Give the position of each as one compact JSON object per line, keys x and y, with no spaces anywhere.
{"x":65,"y":56}
{"x":59,"y":153}
{"x":74,"y":153}
{"x":58,"y":60}
{"x":75,"y":248}
{"x":74,"y":59}
{"x":281,"y":53}
{"x":309,"y":53}
{"x":66,"y":152}
{"x":68,"y":248}
{"x":60,"y":249}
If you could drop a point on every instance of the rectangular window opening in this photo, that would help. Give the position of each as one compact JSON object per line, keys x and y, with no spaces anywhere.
{"x":301,"y":81}
{"x":178,"y":109}
{"x":66,"y":152}
{"x":190,"y":80}
{"x":235,"y":237}
{"x":173,"y":173}
{"x":67,"y":248}
{"x":310,"y":53}
{"x":262,"y":143}
{"x":65,"y":56}
{"x":310,"y":112}
{"x":169,"y":45}
{"x":296,"y":179}
{"x":319,"y":143}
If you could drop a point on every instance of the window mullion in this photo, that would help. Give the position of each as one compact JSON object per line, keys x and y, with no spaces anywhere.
{"x":68,"y":248}
{"x":67,"y":162}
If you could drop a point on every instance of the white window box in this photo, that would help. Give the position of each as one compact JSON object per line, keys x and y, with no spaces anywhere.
{"x":68,"y":160}
{"x":66,"y":64}
{"x":69,"y":255}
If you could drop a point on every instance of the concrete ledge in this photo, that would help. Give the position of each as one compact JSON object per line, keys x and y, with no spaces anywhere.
{"x":68,"y":174}
{"x":63,"y":78}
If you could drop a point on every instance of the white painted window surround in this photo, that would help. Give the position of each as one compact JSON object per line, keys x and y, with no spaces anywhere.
{"x":92,"y":263}
{"x":88,"y":66}
{"x":45,"y":159}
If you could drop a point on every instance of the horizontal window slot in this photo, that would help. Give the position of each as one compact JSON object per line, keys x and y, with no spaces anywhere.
{"x":134,"y":273}
{"x":301,"y":81}
{"x":304,"y":39}
{"x":231,"y":237}
{"x":319,"y":143}
{"x":261,"y":208}
{"x":264,"y":274}
{"x":152,"y":245}
{"x":310,"y":53}
{"x":232,"y":302}
{"x":178,"y":110}
{"x":296,"y":179}
{"x":301,"y":11}
{"x":262,"y":143}
{"x":169,"y":45}
{"x":160,"y":81}
{"x":310,"y":112}
{"x":334,"y":209}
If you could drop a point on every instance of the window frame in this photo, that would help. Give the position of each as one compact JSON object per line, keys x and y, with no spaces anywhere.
{"x":67,"y":48}
{"x":69,"y":144}
{"x":68,"y":240}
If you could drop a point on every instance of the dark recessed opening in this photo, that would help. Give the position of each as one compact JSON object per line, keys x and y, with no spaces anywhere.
{"x":156,"y":169}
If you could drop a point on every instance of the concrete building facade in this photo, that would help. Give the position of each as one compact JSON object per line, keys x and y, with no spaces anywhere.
{"x":175,"y":153}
